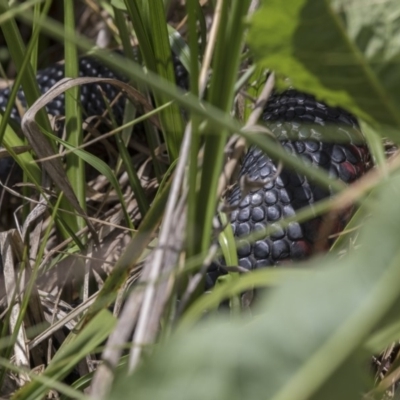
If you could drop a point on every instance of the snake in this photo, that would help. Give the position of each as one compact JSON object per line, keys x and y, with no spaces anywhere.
{"x":298,"y":120}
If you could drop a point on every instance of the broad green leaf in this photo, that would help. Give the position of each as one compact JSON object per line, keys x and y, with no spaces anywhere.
{"x":305,"y":339}
{"x":307,"y":41}
{"x":119,"y":4}
{"x":374,"y":28}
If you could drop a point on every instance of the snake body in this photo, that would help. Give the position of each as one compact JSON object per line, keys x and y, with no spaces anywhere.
{"x":298,"y":120}
{"x":295,"y":115}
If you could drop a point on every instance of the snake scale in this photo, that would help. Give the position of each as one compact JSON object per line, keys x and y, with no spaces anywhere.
{"x":297,"y":120}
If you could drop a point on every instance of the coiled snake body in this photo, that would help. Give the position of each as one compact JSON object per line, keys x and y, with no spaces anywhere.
{"x":297,"y":120}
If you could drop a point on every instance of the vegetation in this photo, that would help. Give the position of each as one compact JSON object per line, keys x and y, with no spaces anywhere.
{"x":109,"y":262}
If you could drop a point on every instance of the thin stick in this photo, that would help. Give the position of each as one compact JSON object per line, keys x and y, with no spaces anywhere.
{"x":167,"y":226}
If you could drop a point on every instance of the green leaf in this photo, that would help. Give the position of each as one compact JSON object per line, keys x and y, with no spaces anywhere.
{"x":119,"y":4}
{"x":25,"y":160}
{"x":226,"y":240}
{"x":68,"y":356}
{"x":148,"y":19}
{"x":75,"y":167}
{"x":228,"y":47}
{"x":307,"y":41}
{"x":305,"y":339}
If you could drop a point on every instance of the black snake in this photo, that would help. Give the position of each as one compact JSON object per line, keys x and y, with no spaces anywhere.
{"x":297,"y":120}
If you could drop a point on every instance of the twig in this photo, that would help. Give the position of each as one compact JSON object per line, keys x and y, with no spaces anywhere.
{"x":203,"y":76}
{"x":166,"y":229}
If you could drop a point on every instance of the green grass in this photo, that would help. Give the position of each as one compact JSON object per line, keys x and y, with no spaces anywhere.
{"x":136,"y":233}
